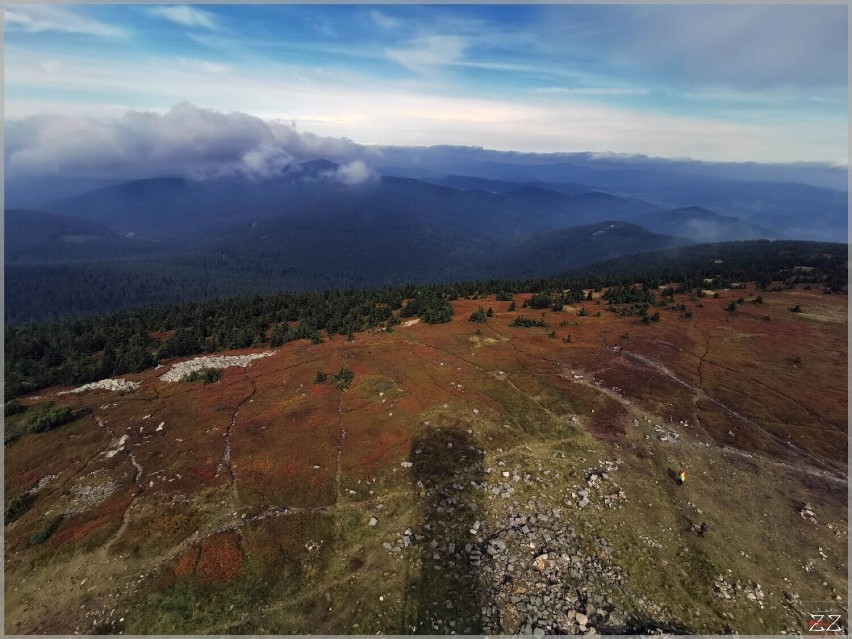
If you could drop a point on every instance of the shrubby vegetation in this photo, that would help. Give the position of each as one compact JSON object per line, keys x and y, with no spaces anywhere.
{"x":527,"y":322}
{"x":13,"y":407}
{"x":17,"y":507}
{"x":205,"y":375}
{"x":478,"y":316}
{"x":343,"y":378}
{"x":45,"y":417}
{"x":431,"y":305}
{"x":46,"y":532}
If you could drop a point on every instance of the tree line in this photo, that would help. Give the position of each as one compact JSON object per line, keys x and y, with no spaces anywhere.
{"x":85,"y":349}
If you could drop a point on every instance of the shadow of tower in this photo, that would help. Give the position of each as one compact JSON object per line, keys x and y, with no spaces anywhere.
{"x":448,"y":593}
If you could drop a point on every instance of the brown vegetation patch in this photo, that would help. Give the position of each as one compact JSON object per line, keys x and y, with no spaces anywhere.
{"x":371,"y":444}
{"x":608,"y":421}
{"x":220,"y":560}
{"x":185,"y":565}
{"x":289,"y":547}
{"x":275,"y":457}
{"x":91,"y":529}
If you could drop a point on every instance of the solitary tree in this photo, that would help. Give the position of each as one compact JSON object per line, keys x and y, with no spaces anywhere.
{"x":478,"y":316}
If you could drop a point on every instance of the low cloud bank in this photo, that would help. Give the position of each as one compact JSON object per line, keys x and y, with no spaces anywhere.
{"x":185,"y":140}
{"x":200,"y":143}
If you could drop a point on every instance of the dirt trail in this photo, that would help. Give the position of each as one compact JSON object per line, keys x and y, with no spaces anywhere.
{"x":824,"y":472}
{"x":226,"y":454}
{"x":702,"y":359}
{"x":137,"y":479}
{"x":342,"y":437}
{"x":644,"y":361}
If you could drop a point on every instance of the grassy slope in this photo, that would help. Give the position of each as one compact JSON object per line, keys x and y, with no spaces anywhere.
{"x":286,"y":546}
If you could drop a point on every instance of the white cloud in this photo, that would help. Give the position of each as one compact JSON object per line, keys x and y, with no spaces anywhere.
{"x":190,"y":140}
{"x":745,"y":46}
{"x":353,"y":173}
{"x":383,"y":20}
{"x":185,"y":139}
{"x":185,"y":15}
{"x":335,"y":105}
{"x":40,"y":18}
{"x":431,"y":51}
{"x":267,"y":159}
{"x":589,"y":91}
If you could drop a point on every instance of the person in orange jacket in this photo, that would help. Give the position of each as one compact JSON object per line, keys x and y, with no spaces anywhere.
{"x":681,"y":477}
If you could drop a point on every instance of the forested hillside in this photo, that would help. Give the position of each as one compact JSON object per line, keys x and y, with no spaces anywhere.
{"x":94,"y":347}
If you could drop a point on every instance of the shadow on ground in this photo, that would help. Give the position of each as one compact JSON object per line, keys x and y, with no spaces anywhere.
{"x":447,"y":594}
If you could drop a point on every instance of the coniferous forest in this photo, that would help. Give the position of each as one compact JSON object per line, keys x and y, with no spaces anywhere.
{"x":91,"y":347}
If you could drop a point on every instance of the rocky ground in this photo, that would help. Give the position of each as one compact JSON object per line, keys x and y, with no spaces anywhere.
{"x":534,"y":570}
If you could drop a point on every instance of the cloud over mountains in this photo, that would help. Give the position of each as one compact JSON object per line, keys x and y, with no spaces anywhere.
{"x":197,"y":142}
{"x":186,"y":140}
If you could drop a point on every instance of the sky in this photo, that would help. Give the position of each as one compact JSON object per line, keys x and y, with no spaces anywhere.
{"x":111,"y":85}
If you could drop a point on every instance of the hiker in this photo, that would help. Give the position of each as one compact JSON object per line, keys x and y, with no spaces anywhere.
{"x":702,"y":530}
{"x":681,"y":477}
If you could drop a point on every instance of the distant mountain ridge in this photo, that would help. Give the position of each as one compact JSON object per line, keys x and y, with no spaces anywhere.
{"x":310,"y":228}
{"x":702,"y":225}
{"x":37,"y":237}
{"x":566,"y":249}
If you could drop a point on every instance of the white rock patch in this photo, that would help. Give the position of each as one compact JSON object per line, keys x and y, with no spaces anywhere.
{"x":180,"y":369}
{"x":105,"y":384}
{"x":89,"y":491}
{"x":44,"y":481}
{"x":117,"y":447}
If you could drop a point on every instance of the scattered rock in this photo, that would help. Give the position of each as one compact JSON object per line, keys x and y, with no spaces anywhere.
{"x":179,"y":370}
{"x":121,"y":385}
{"x":540,"y":562}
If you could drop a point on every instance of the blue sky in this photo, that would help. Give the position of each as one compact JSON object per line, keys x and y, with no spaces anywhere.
{"x":763,"y":83}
